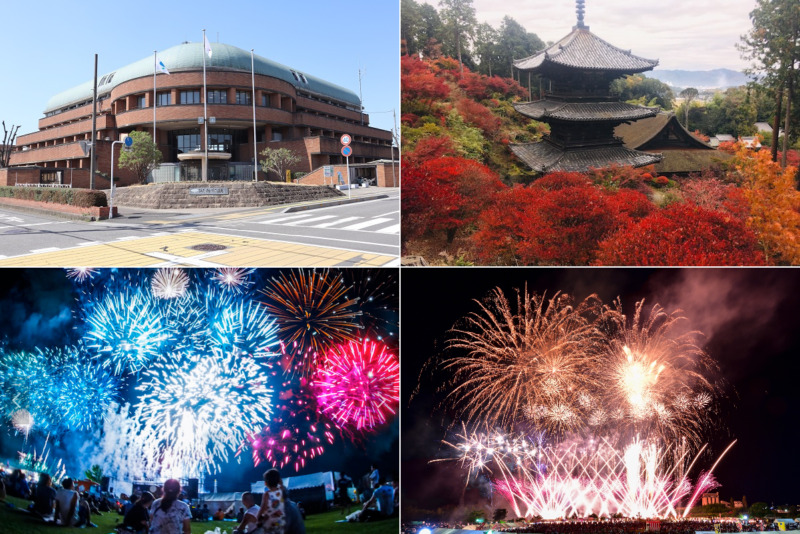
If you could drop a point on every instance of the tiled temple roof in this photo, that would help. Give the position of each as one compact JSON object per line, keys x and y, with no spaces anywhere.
{"x":584,"y":112}
{"x":583,"y":50}
{"x":546,"y":157}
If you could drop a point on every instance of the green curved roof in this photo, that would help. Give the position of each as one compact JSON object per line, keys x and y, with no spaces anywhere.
{"x":189,"y":56}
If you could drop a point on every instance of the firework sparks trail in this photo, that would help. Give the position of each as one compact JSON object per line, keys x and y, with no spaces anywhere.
{"x":22,"y":421}
{"x":234,"y":279}
{"x":297,"y":433}
{"x":203,"y":407}
{"x":169,"y":283}
{"x":312,"y":310}
{"x":358,"y":384}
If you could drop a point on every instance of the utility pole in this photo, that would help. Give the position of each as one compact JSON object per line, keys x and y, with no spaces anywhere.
{"x":93,"y":155}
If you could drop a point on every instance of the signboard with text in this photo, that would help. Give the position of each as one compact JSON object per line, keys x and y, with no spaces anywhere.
{"x":208,"y":191}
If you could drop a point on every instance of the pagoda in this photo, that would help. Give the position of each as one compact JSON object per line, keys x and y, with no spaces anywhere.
{"x":582,"y":114}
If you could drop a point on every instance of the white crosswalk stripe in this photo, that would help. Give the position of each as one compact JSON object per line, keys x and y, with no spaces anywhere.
{"x":377,"y":224}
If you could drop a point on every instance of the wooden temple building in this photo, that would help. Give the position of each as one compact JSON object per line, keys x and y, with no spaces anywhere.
{"x":582,"y":114}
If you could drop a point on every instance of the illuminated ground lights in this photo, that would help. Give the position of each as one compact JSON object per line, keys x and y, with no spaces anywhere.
{"x":587,"y":410}
{"x":173,"y":372}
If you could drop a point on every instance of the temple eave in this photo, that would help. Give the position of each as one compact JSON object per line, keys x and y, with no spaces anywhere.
{"x":546,"y":157}
{"x":618,"y":112}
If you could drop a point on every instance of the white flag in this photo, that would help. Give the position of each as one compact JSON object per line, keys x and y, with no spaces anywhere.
{"x":162,"y":67}
{"x":207,"y":45}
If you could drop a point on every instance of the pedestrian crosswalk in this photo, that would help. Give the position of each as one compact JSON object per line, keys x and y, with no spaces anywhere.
{"x":377,"y":224}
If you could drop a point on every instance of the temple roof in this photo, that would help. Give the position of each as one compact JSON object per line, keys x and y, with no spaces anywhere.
{"x":583,"y":50}
{"x":584,"y":111}
{"x":645,"y":131}
{"x":546,"y":157}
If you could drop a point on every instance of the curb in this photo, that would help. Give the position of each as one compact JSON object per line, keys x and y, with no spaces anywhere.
{"x":84,"y":217}
{"x":333,"y":203}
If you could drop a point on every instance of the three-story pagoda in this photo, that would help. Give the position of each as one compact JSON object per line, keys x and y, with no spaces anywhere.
{"x":578,"y":106}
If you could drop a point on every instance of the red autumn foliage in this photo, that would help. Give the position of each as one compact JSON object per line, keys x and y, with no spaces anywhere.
{"x":409,"y":119}
{"x":704,"y":138}
{"x":557,"y":221}
{"x":682,"y":234}
{"x":715,"y":195}
{"x":445,"y":194}
{"x":429,"y":148}
{"x":792,"y":158}
{"x":479,"y":116}
{"x":419,"y":82}
{"x":729,"y":147}
{"x":481,"y":87}
{"x":661,"y":180}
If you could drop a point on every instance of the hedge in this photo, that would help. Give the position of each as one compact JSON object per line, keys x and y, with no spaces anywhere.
{"x":82,"y":198}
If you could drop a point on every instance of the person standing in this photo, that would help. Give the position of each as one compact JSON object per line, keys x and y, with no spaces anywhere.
{"x":272,"y":514}
{"x":168,"y":515}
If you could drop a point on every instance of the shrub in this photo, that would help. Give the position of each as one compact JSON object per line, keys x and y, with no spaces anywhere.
{"x":87,"y":198}
{"x":83,"y":198}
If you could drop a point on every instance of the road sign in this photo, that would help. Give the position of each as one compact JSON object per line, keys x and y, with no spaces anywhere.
{"x":347,"y":151}
{"x":345,"y":139}
{"x":327,"y":171}
{"x":129,"y":141}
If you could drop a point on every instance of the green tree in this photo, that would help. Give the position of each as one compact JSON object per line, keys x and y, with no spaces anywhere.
{"x":485,"y":49}
{"x":142,"y":157}
{"x":759,"y":509}
{"x":94,"y":473}
{"x":277,"y":159}
{"x":688,"y":94}
{"x":642,"y":90}
{"x":515,"y":43}
{"x":459,"y":21}
{"x":773,"y":46}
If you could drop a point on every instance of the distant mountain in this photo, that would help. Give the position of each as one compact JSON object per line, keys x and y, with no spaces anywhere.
{"x":700,"y":79}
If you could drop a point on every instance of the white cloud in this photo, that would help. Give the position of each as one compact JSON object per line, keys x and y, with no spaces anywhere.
{"x":681,"y":34}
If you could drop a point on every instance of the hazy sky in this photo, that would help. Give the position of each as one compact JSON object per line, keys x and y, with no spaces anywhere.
{"x":49,"y":45}
{"x":682,"y":34}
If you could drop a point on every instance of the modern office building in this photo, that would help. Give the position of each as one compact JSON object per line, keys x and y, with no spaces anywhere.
{"x":293,"y":110}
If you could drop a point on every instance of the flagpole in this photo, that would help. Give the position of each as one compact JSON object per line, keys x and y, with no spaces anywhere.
{"x":255,"y":138}
{"x":155,"y":97}
{"x":205,"y":112}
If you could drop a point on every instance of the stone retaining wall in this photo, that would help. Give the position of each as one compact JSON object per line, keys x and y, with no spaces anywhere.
{"x":240,"y":195}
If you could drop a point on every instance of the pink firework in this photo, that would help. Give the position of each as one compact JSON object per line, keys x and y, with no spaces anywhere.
{"x":358,"y":384}
{"x":296,"y":433}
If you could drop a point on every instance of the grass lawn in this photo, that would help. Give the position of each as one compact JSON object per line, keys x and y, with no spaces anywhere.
{"x":16,"y":521}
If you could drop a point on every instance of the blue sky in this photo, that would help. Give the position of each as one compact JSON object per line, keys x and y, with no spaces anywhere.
{"x":49,"y":46}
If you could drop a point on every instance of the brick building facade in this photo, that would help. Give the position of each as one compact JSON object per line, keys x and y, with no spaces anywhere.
{"x":294,"y":110}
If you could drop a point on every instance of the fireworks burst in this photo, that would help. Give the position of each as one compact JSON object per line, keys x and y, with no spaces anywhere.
{"x":375,"y":294}
{"x":22,"y":421}
{"x":128,"y":329}
{"x":312,"y":310}
{"x":170,"y":283}
{"x":296,"y":433}
{"x":81,"y":274}
{"x":233,"y":279}
{"x":203,"y":406}
{"x":533,"y":365}
{"x":358,"y":384}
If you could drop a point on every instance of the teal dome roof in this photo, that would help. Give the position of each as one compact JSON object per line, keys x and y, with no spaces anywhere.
{"x":189,"y":56}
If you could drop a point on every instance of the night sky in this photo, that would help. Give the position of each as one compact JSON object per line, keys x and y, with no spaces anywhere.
{"x":38,"y":308}
{"x":750,"y":319}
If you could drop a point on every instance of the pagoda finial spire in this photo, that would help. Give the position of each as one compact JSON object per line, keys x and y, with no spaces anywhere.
{"x":579,"y":9}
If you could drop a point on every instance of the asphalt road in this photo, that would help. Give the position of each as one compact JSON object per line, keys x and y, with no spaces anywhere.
{"x":363,"y":233}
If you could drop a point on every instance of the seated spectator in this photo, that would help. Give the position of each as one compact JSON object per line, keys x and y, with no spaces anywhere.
{"x":137,"y":520}
{"x":84,"y":512}
{"x":66,"y":504}
{"x":383,"y":497}
{"x":240,"y":515}
{"x":22,"y":489}
{"x":294,"y":518}
{"x":219,"y":515}
{"x":248,"y":522}
{"x":44,"y":498}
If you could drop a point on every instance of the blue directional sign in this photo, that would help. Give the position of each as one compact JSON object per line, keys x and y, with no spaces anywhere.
{"x":347,"y":151}
{"x":129,"y":141}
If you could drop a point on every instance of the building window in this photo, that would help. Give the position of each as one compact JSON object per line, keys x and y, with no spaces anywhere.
{"x":190,"y":97}
{"x":142,"y":102}
{"x":264,"y":100}
{"x":277,"y":136}
{"x":242,"y":97}
{"x":164,"y":99}
{"x":218,"y":97}
{"x":187,"y":141}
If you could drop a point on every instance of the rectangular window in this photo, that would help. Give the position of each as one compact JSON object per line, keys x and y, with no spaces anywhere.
{"x":187,"y":142}
{"x":142,"y":102}
{"x":242,"y":97}
{"x":264,"y":100}
{"x":218,"y":97}
{"x":190,"y":97}
{"x":164,"y":99}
